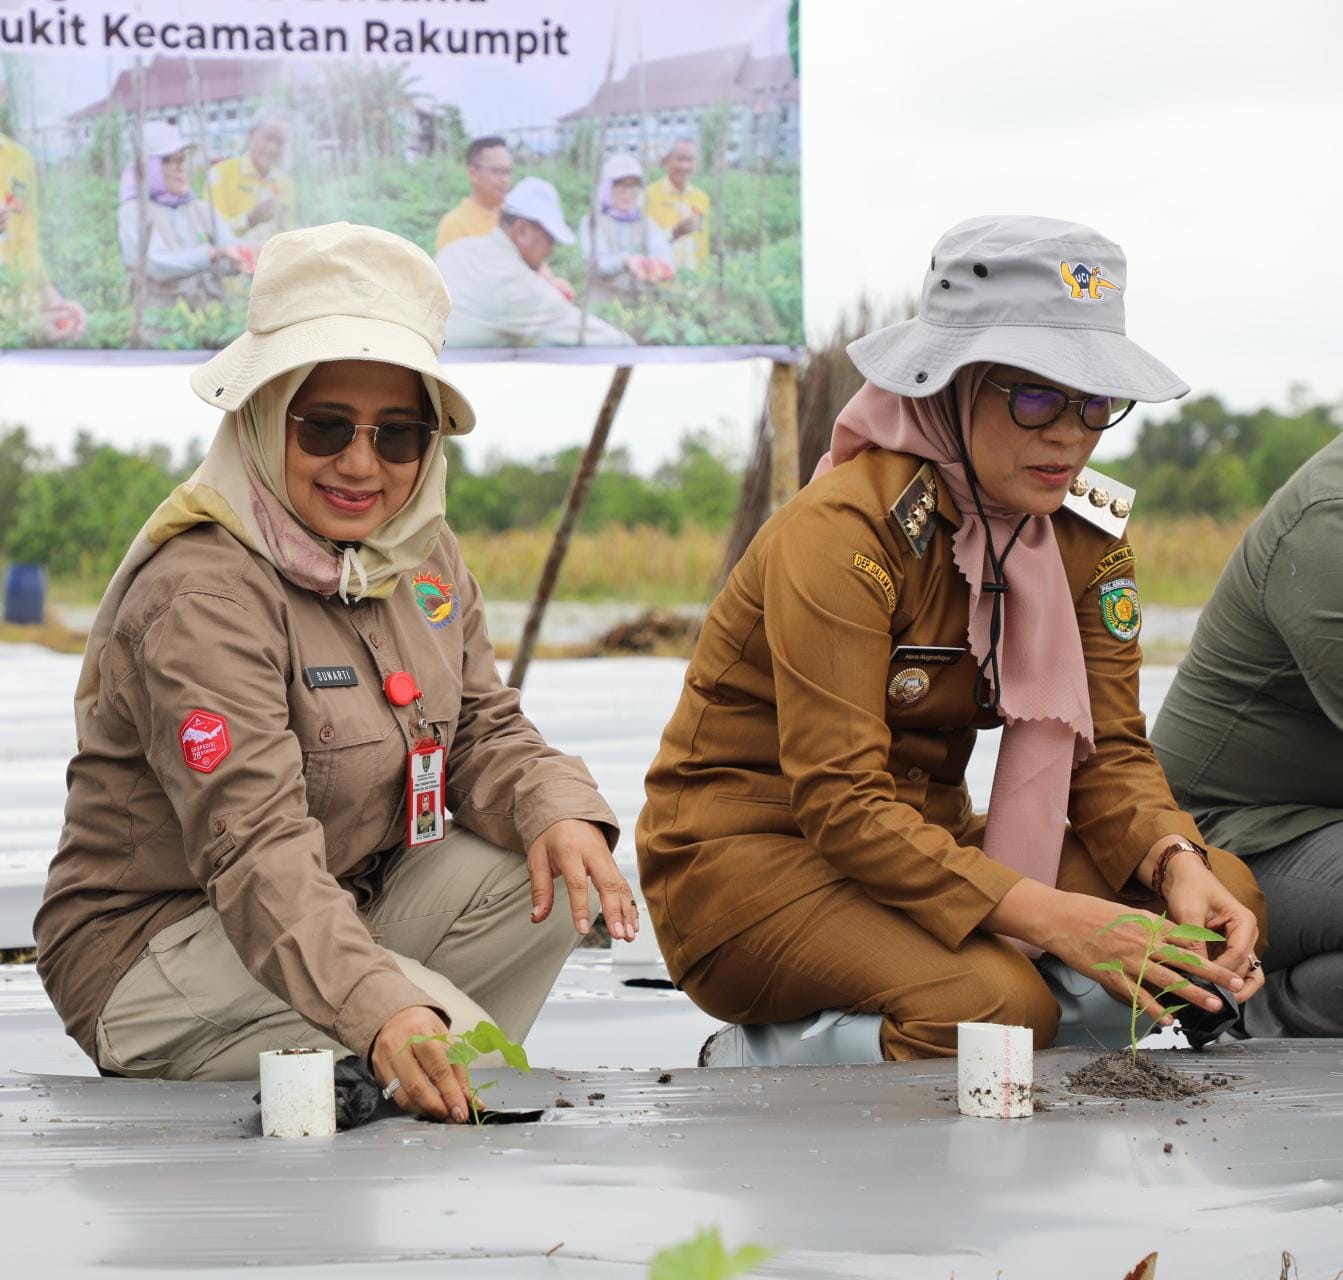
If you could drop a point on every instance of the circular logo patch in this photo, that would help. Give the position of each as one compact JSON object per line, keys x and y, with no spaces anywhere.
{"x":437,"y":599}
{"x":908,"y":686}
{"x":1120,"y":610}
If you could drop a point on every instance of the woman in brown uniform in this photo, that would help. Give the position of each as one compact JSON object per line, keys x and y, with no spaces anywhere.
{"x":808,"y":841}
{"x":288,"y":682}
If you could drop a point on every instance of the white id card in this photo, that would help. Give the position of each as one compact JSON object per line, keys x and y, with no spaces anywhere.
{"x":424,"y":794}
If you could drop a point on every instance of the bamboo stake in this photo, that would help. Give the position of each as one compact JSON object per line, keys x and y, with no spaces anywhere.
{"x":783,"y":429}
{"x":574,"y":502}
{"x":142,"y":207}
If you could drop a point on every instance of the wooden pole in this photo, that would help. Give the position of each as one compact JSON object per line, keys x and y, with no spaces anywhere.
{"x":783,"y":433}
{"x":574,"y":502}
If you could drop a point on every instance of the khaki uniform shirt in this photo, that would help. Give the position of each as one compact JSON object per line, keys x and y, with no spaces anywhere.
{"x":788,"y":765}
{"x":287,"y":833}
{"x":1251,"y":732}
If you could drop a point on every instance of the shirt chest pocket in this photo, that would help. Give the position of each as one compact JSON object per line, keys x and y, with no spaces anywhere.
{"x":351,"y":749}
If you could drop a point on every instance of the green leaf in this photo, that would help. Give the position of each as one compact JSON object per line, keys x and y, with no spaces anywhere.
{"x":489,"y":1084}
{"x":705,"y":1258}
{"x":1175,"y":1008}
{"x":1195,"y":933}
{"x":1174,"y":986}
{"x":1174,"y":953}
{"x":487,"y":1038}
{"x":1130,"y":918}
{"x":1109,"y":966}
{"x":462,"y":1052}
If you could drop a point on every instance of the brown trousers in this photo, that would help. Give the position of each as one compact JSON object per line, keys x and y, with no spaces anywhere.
{"x":837,"y":948}
{"x":456,"y":916}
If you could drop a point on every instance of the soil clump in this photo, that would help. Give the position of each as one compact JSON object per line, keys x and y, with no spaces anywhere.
{"x":1119,"y":1074}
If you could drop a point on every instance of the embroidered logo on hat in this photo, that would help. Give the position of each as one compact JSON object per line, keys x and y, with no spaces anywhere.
{"x":1085,"y":281}
{"x":437,"y":599}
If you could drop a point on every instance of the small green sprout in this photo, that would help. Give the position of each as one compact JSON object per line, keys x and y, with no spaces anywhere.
{"x":1156,"y":949}
{"x":704,"y":1258}
{"x":465,"y":1048}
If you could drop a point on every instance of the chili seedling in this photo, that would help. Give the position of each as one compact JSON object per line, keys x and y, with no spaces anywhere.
{"x":464,"y":1049}
{"x":1157,"y":947}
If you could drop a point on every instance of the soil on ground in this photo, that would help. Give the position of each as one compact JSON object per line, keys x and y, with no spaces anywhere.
{"x":1119,"y":1075}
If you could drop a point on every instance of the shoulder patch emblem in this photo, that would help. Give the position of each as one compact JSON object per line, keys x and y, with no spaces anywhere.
{"x":876,"y":572}
{"x":1109,"y":563}
{"x":1120,"y":609}
{"x":204,"y":741}
{"x":437,"y":599}
{"x":914,"y":512}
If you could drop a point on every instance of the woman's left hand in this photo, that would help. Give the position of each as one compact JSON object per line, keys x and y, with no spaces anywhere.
{"x":1195,"y":896}
{"x":576,"y":851}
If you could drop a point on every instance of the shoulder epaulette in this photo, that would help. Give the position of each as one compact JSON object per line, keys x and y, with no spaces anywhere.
{"x":914,"y":512}
{"x":1100,"y":500}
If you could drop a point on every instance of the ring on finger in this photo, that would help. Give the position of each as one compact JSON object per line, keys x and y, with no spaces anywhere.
{"x":392,"y":1086}
{"x":1255,"y":962}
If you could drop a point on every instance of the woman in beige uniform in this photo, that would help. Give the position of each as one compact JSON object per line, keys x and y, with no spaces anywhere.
{"x":808,"y":842}
{"x":288,"y":681}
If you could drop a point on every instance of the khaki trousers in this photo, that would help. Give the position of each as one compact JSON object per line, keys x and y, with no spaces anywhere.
{"x":456,"y":916}
{"x":837,"y":948}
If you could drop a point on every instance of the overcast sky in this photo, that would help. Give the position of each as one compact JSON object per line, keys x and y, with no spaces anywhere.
{"x":1203,"y":136}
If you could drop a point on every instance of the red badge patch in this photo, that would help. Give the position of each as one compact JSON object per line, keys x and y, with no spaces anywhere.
{"x":205,"y":741}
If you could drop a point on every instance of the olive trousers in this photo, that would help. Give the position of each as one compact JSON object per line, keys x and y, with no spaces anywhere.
{"x":455,"y":915}
{"x":837,"y":948}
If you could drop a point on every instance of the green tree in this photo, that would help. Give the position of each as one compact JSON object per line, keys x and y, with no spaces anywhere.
{"x":19,"y":457}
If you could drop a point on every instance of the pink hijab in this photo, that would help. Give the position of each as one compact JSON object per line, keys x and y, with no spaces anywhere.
{"x":1043,"y":696}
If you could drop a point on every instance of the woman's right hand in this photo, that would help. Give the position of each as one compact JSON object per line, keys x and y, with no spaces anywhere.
{"x":430,"y":1085}
{"x":1068,"y":925}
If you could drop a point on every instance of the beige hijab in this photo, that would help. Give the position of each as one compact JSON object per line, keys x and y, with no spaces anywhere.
{"x":240,"y":486}
{"x":1044,"y":697}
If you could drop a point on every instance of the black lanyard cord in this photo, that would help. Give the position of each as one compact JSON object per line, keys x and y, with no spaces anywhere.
{"x":998,"y":588}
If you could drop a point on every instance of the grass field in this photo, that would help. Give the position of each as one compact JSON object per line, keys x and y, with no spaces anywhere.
{"x":1178,"y":563}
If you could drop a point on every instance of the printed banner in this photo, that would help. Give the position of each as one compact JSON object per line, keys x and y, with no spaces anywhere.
{"x":614,"y":180}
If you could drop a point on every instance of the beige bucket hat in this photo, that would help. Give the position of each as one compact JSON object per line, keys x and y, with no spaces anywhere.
{"x":337,"y":292}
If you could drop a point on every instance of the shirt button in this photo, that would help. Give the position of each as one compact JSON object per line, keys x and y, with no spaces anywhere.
{"x":220,"y":826}
{"x":915,"y":774}
{"x":326,"y":733}
{"x":375,"y":639}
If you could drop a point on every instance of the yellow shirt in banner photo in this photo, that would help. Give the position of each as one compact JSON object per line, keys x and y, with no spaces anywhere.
{"x":667,"y":206}
{"x":20,"y":253}
{"x":234,"y":188}
{"x":468,"y":219}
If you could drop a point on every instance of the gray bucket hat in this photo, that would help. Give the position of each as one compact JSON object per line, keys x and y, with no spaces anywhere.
{"x":1042,"y":295}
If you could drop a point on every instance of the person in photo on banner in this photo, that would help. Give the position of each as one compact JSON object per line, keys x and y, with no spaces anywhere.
{"x":489,"y":170}
{"x":191,"y":246}
{"x":681,"y":208}
{"x":1251,"y":738}
{"x":251,"y":191}
{"x":28,"y":298}
{"x":808,"y":842}
{"x":627,"y":251}
{"x":290,"y":657}
{"x":500,"y":296}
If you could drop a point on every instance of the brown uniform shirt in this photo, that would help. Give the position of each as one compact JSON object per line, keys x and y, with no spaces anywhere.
{"x":788,"y":765}
{"x":284,"y":834}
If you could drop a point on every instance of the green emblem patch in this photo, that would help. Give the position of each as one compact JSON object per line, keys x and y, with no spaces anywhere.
{"x":1120,"y":610}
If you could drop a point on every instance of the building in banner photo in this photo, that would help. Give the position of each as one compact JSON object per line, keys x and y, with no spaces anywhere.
{"x":642,"y":191}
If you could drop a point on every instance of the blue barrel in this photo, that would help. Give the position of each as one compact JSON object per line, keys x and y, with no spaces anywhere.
{"x":25,"y":593}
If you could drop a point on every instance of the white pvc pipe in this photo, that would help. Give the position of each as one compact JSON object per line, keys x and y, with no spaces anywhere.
{"x":298,"y":1093}
{"x":994,"y":1070}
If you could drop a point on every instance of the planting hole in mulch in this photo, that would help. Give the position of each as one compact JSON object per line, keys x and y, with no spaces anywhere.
{"x":1119,"y":1075}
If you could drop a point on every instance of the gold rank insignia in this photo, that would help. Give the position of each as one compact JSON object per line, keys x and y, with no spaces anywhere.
{"x":914,"y":512}
{"x":1100,"y":500}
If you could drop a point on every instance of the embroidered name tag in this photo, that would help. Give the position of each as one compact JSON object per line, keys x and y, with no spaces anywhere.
{"x":330,"y":677}
{"x":931,"y":655}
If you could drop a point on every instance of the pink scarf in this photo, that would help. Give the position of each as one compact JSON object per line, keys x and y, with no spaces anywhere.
{"x":1044,"y":698}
